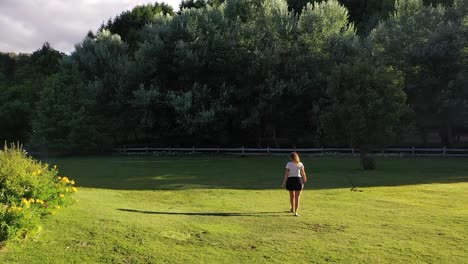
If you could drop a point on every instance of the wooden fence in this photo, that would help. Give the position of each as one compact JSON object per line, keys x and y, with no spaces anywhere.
{"x":412,"y":152}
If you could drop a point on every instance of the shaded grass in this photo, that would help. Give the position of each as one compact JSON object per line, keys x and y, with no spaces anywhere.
{"x":231,"y":210}
{"x":207,"y":172}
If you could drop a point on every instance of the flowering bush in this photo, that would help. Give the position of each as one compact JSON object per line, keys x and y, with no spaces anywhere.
{"x":29,"y":190}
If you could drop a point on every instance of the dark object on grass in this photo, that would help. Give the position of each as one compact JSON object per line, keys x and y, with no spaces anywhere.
{"x":354,"y":188}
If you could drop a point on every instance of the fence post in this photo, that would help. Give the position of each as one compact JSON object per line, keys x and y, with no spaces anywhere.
{"x":412,"y":151}
{"x":242,"y":149}
{"x":147,"y":150}
{"x":322,"y":150}
{"x":445,"y":152}
{"x":125,"y":149}
{"x":294,"y":148}
{"x":268,"y":149}
{"x":169,"y":149}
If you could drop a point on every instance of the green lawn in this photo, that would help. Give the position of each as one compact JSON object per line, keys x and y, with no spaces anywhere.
{"x":205,"y":209}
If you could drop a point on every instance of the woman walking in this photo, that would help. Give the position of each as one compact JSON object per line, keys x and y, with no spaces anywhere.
{"x":294,"y":179}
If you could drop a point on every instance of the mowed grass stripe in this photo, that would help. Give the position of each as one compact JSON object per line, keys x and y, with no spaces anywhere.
{"x":232,"y":211}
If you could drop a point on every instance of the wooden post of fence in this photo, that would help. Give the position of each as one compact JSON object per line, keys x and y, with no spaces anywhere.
{"x":322,"y":150}
{"x":242,"y":150}
{"x":193,"y":149}
{"x":268,"y":149}
{"x":445,"y":152}
{"x":412,"y":151}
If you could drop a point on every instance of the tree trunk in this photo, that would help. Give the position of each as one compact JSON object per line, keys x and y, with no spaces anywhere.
{"x":446,"y":134}
{"x":450,"y":135}
{"x":135,"y":136}
{"x":146,"y":126}
{"x":363,"y":156}
{"x":259,"y":137}
{"x":275,"y":140}
{"x":367,"y":163}
{"x":424,"y":136}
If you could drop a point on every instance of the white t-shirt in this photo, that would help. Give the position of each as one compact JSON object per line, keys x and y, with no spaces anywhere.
{"x":294,"y":169}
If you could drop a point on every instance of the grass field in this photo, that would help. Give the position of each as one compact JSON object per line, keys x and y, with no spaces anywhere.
{"x":204,"y":209}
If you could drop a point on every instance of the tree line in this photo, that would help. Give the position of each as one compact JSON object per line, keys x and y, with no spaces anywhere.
{"x":252,"y":73}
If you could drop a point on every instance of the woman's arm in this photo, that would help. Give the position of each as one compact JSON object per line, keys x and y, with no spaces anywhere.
{"x":286,"y":174}
{"x":304,"y":176}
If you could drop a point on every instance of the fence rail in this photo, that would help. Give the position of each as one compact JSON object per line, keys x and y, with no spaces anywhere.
{"x":415,"y":152}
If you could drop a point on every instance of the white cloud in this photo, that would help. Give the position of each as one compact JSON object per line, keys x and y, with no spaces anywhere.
{"x":26,"y":24}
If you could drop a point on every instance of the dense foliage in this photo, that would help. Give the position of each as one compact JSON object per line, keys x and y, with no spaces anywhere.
{"x":429,"y":44}
{"x":252,"y":73}
{"x":22,"y":77}
{"x":128,"y":24}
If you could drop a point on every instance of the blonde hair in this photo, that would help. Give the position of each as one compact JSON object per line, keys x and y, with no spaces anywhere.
{"x":295,"y":157}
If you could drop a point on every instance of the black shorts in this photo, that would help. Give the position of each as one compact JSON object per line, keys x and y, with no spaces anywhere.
{"x":294,"y":184}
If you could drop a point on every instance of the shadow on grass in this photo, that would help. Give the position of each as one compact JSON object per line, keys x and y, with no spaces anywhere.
{"x":205,"y":214}
{"x":254,"y":173}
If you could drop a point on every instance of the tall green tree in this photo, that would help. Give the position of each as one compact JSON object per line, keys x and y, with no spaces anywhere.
{"x":100,"y":78}
{"x":128,"y":24}
{"x":365,"y":14}
{"x":199,"y":3}
{"x":66,"y":119}
{"x":326,"y":38}
{"x":367,"y":103}
{"x":22,"y":78}
{"x":426,"y":43}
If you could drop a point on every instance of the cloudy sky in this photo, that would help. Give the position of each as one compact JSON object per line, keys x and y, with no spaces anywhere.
{"x":26,"y":24}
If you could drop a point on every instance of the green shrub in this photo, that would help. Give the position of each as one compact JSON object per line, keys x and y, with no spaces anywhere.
{"x":29,"y":190}
{"x":368,"y":163}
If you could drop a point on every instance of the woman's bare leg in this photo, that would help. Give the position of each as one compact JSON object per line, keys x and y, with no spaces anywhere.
{"x":297,"y":197}
{"x":291,"y":200}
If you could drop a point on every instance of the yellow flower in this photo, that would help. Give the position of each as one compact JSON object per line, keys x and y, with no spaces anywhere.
{"x":32,"y":200}
{"x":65,"y":180}
{"x":62,"y":195}
{"x":66,"y":189}
{"x":74,"y":189}
{"x":34,"y":173}
{"x":39,"y":201}
{"x":26,"y":202}
{"x":57,"y":206}
{"x":15,"y":209}
{"x":55,"y":167}
{"x":72,"y":182}
{"x":59,"y":177}
{"x":53,"y":212}
{"x":39,"y":172}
